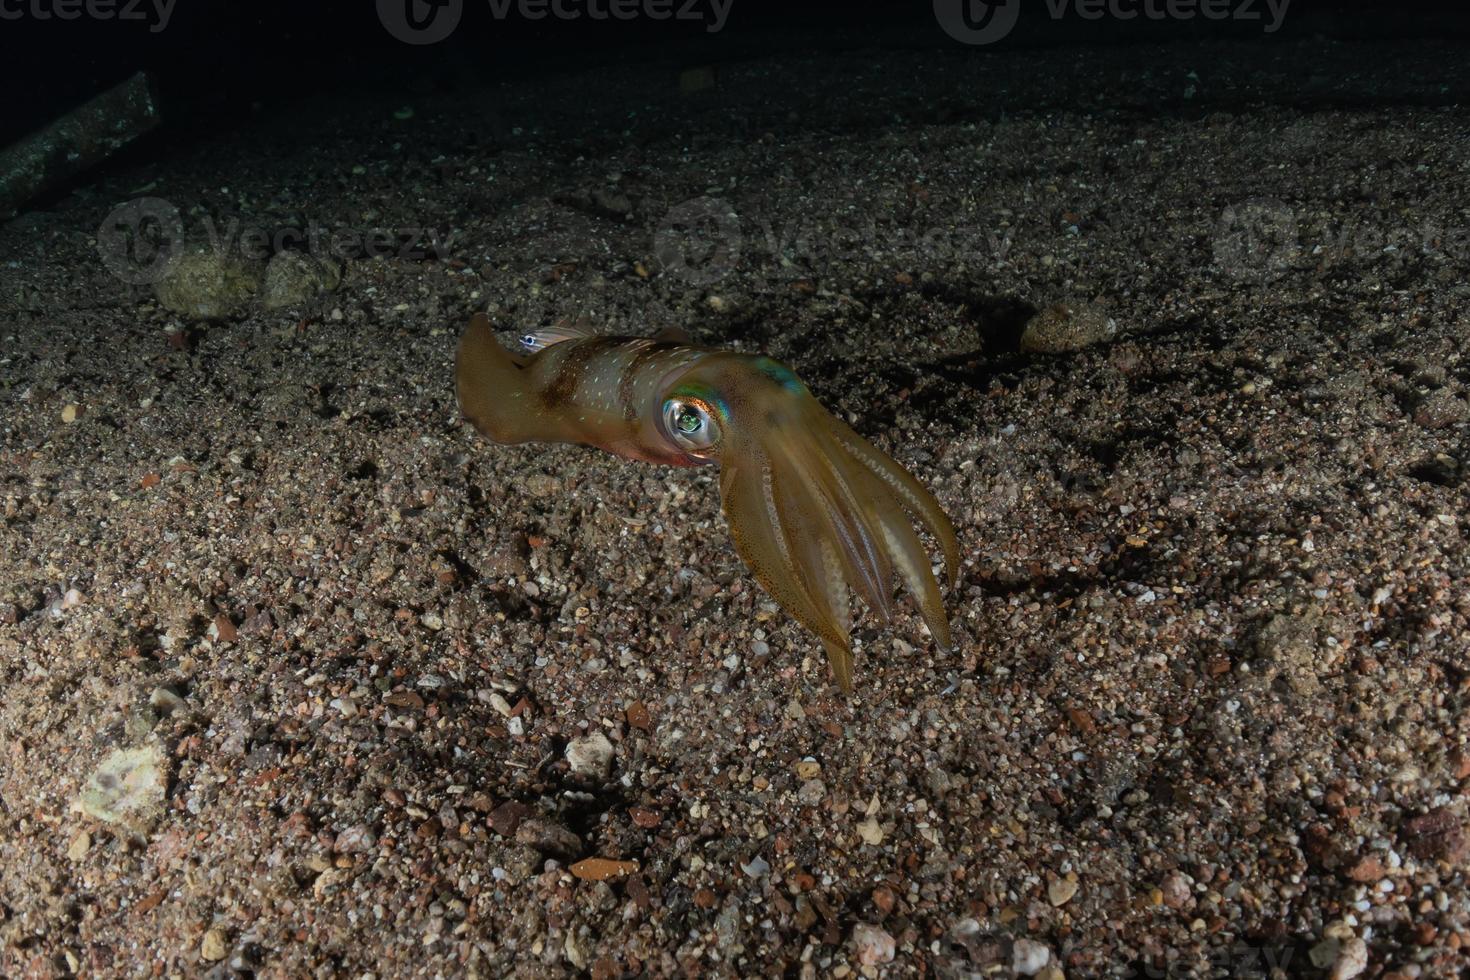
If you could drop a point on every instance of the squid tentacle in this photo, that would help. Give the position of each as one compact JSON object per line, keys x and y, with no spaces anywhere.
{"x":908,"y":552}
{"x":866,"y":564}
{"x":799,"y":509}
{"x":750,"y":507}
{"x":919,"y":501}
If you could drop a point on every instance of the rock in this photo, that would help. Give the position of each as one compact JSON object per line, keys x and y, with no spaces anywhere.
{"x":127,"y":789}
{"x":355,"y":840}
{"x":1440,"y":410}
{"x":80,"y":845}
{"x":506,"y":818}
{"x":612,"y":201}
{"x":1064,"y":327}
{"x":543,"y":485}
{"x":213,"y":947}
{"x":1324,"y":953}
{"x":984,"y":951}
{"x":758,"y":867}
{"x":590,"y":755}
{"x":1288,"y":644}
{"x":1351,"y":960}
{"x":1367,"y":868}
{"x":1028,"y":957}
{"x":208,"y":283}
{"x":575,"y":950}
{"x":293,"y":278}
{"x":1061,"y":891}
{"x":1438,"y":835}
{"x":165,"y":700}
{"x":1051,"y":972}
{"x":549,"y":838}
{"x":1176,"y":891}
{"x":872,"y":945}
{"x":71,"y":413}
{"x":638,"y":717}
{"x":812,"y":793}
{"x":869,"y":829}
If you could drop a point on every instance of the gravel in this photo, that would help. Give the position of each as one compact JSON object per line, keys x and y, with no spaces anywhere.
{"x":1205,"y":708}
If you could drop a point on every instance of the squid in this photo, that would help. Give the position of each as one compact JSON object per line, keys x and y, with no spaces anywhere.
{"x":814,"y":509}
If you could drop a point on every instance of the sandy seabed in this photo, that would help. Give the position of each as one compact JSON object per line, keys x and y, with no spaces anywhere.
{"x":1207,"y":704}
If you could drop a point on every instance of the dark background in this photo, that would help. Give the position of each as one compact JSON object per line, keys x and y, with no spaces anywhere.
{"x":218,"y":60}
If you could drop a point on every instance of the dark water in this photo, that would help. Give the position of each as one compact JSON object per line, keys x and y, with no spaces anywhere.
{"x":218,"y":63}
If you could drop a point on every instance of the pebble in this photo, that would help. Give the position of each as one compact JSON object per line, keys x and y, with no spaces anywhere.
{"x":638,"y":716}
{"x":71,"y":413}
{"x":590,"y":755}
{"x":207,"y":283}
{"x":1061,"y":891}
{"x":165,"y":700}
{"x":80,"y":845}
{"x":213,"y":947}
{"x":1440,"y":410}
{"x":601,"y":869}
{"x":1176,"y":893}
{"x":872,"y":945}
{"x":127,"y":788}
{"x":1065,"y":327}
{"x":358,"y":839}
{"x":758,"y":867}
{"x":575,"y":950}
{"x":1028,"y":957}
{"x":1351,"y":960}
{"x":500,"y":704}
{"x":506,"y":819}
{"x":548,"y":838}
{"x":293,"y":278}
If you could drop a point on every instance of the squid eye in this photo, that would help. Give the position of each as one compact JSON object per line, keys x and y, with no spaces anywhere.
{"x":690,"y":424}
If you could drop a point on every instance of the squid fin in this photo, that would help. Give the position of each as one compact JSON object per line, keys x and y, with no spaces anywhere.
{"x":488,"y":380}
{"x":672,"y":335}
